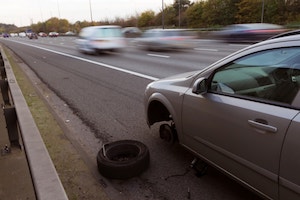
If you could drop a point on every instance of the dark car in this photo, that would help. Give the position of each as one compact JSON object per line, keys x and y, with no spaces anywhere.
{"x":5,"y":35}
{"x":240,"y":115}
{"x":249,"y":33}
{"x":32,"y":35}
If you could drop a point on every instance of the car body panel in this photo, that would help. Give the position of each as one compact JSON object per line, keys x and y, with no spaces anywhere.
{"x":290,"y":163}
{"x":246,"y":122}
{"x":241,"y":153}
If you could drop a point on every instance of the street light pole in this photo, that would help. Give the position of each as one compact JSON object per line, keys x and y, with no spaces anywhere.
{"x":163,"y":15}
{"x":58,"y":9}
{"x":179,"y":12}
{"x":262,"y":11}
{"x":91,"y":12}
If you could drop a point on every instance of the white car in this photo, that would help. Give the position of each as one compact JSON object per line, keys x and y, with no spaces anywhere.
{"x":53,"y":34}
{"x":95,"y":39}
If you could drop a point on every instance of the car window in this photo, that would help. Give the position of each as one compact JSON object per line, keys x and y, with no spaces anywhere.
{"x":267,"y":75}
{"x":107,"y":32}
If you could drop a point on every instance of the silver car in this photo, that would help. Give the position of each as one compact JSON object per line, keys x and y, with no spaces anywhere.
{"x":240,"y":115}
{"x":166,"y":39}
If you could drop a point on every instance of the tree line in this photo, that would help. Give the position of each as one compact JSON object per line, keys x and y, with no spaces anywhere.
{"x":187,"y":14}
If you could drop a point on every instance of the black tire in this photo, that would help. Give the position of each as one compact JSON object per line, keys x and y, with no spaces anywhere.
{"x":123,"y":159}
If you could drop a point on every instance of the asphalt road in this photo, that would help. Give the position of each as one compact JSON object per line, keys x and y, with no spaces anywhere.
{"x":106,"y":92}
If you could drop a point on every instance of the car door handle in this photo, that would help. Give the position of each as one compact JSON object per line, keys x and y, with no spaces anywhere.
{"x":262,"y":125}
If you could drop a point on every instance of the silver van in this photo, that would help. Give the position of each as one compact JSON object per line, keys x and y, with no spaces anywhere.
{"x":95,"y":39}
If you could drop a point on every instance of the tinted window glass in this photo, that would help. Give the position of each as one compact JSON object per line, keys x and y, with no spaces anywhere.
{"x":107,"y":32}
{"x":270,"y":75}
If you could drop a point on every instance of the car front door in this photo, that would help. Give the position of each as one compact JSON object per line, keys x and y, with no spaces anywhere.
{"x":240,"y":123}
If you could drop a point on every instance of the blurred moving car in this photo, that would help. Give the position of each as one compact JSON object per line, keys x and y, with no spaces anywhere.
{"x":42,"y":34}
{"x":32,"y":35}
{"x":5,"y":35}
{"x":22,"y":34}
{"x":131,"y":32}
{"x":70,"y":33}
{"x":240,"y":115}
{"x":249,"y":33}
{"x":95,"y":39}
{"x":165,"y":39}
{"x":53,"y":34}
{"x":13,"y":34}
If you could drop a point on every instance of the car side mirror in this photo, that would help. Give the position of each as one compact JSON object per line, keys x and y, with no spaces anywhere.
{"x":200,"y":86}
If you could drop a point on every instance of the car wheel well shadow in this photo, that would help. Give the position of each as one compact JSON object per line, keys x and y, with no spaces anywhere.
{"x":157,"y":112}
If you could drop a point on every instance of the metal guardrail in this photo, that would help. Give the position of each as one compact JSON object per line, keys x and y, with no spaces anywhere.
{"x":47,"y":184}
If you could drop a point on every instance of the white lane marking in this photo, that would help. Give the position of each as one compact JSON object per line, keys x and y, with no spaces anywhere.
{"x":200,"y":49}
{"x":94,"y":62}
{"x":158,"y":55}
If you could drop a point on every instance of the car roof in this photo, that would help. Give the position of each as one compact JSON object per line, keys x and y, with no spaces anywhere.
{"x":285,"y":34}
{"x":166,"y":30}
{"x":103,"y":26}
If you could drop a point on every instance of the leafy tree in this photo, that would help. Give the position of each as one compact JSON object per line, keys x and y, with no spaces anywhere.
{"x":292,"y":10}
{"x":170,"y":16}
{"x":64,"y":26}
{"x":52,"y":24}
{"x":249,"y":11}
{"x":213,"y":12}
{"x":180,"y":6}
{"x":146,"y":19}
{"x":194,"y":15}
{"x":132,"y":21}
{"x":274,"y":11}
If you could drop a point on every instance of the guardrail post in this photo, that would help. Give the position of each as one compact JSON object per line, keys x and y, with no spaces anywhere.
{"x":4,"y":90}
{"x":2,"y":71}
{"x":12,"y":126}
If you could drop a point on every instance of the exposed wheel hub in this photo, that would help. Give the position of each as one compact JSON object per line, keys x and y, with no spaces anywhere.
{"x":167,"y":133}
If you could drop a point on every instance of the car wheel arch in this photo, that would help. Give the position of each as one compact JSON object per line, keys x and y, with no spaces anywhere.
{"x":160,"y":109}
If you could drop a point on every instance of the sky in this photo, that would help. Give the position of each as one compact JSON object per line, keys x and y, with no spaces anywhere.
{"x":26,"y":12}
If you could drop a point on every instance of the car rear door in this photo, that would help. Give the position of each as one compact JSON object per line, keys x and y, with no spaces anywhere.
{"x":240,"y":124}
{"x":242,"y":137}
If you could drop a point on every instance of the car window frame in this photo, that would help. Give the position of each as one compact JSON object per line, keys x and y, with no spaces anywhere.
{"x":293,"y":104}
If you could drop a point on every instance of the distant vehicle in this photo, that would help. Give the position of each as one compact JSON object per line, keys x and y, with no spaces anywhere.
{"x":42,"y":34}
{"x":32,"y":35}
{"x":165,"y":39}
{"x":70,"y":33}
{"x":96,"y":39}
{"x":53,"y":34}
{"x":5,"y":35}
{"x":241,"y":115}
{"x":22,"y":34}
{"x":131,"y":32}
{"x":249,"y":33}
{"x":13,"y":34}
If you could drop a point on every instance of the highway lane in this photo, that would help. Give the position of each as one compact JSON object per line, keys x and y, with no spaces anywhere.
{"x":106,"y":92}
{"x":156,"y":64}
